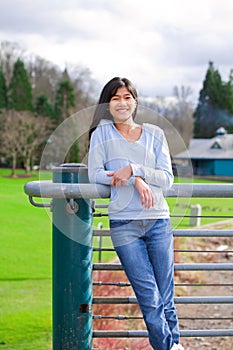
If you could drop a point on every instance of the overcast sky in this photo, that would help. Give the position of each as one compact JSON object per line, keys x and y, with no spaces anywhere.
{"x":155,"y":43}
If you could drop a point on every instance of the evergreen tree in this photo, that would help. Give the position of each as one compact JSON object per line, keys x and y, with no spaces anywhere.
{"x":3,"y":90}
{"x":212,"y":86}
{"x":20,"y":90}
{"x":43,"y":106}
{"x":65,"y":100}
{"x":214,"y":105}
{"x":228,"y":93}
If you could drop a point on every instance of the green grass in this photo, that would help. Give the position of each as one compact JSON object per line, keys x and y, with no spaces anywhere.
{"x":25,"y":269}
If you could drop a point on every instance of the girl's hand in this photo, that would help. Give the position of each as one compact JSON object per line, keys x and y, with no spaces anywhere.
{"x":145,"y":192}
{"x":120,"y":176}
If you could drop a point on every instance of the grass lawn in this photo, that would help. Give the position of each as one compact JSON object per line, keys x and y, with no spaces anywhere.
{"x":25,"y":269}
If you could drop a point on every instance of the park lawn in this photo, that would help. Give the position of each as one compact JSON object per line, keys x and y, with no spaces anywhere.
{"x":25,"y":269}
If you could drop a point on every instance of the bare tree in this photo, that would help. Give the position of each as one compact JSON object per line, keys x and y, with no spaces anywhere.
{"x":9,"y":53}
{"x":183,"y":112}
{"x":22,"y":135}
{"x":44,"y":76}
{"x":85,"y":87}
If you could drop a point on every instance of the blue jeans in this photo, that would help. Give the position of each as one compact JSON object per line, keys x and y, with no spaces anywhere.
{"x":145,"y":249}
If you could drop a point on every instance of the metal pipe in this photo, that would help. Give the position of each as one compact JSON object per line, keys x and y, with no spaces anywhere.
{"x":178,"y":300}
{"x":183,"y":233}
{"x":183,"y":333}
{"x":47,"y":189}
{"x":72,"y":265}
{"x":178,"y":267}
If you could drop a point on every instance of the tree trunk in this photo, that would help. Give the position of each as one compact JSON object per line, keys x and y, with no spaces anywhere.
{"x":14,"y":161}
{"x":27,"y":166}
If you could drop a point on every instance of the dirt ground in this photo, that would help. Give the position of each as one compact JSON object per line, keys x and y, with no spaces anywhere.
{"x":221,"y":314}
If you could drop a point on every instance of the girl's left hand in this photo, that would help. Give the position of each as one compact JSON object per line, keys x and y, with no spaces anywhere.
{"x":145,"y":193}
{"x":120,"y":176}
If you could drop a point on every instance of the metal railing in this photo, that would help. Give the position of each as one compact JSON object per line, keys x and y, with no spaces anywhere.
{"x":72,"y":195}
{"x":178,"y":300}
{"x":198,"y":191}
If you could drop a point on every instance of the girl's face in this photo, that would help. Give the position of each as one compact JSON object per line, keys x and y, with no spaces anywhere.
{"x":122,"y":105}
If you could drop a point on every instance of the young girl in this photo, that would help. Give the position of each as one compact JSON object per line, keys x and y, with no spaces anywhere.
{"x":134,"y":160}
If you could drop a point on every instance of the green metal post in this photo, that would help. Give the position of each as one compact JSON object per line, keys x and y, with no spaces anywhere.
{"x":72,"y":265}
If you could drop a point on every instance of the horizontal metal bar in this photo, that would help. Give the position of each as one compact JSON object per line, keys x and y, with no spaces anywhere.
{"x":181,"y":216}
{"x":207,"y":333}
{"x":204,"y":267}
{"x":201,"y":190}
{"x":48,"y":189}
{"x":203,"y":285}
{"x":120,"y":334}
{"x":203,"y":216}
{"x":175,"y":251}
{"x":178,"y":300}
{"x":183,"y":333}
{"x":114,"y":300}
{"x":126,"y":318}
{"x":117,"y":284}
{"x":110,"y":250}
{"x":102,"y":206}
{"x":99,"y":215}
{"x":125,"y":284}
{"x":182,"y":233}
{"x":203,"y":233}
{"x":178,"y":267}
{"x":199,"y":251}
{"x":204,"y":300}
{"x":118,"y":317}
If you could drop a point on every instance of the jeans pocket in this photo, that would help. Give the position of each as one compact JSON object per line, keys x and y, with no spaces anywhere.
{"x":118,"y":223}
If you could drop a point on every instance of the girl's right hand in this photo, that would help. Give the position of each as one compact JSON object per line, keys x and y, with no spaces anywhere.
{"x":145,"y":192}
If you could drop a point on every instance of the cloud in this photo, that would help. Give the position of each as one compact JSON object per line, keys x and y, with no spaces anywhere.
{"x":157,"y":44}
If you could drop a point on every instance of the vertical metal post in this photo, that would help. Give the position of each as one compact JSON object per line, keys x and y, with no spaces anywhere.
{"x":72,"y":265}
{"x":195,"y":214}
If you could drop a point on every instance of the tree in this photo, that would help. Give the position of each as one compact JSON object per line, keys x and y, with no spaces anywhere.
{"x":3,"y":90}
{"x":85,"y":87}
{"x":43,"y":106}
{"x":65,"y":100}
{"x":9,"y":53}
{"x":183,"y":112}
{"x":44,"y":76}
{"x":215,"y":105}
{"x":228,"y":93}
{"x":20,"y":90}
{"x":212,"y":87}
{"x":23,"y":133}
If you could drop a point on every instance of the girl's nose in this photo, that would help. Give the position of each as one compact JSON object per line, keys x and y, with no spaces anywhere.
{"x":122,"y":101}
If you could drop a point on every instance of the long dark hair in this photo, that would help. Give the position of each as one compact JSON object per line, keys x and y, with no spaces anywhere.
{"x":109,"y":90}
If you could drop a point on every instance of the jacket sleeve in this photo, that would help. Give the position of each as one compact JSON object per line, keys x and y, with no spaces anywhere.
{"x":96,"y":160}
{"x":161,"y":175}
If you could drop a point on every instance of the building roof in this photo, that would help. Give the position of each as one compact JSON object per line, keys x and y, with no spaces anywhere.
{"x":219,"y":147}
